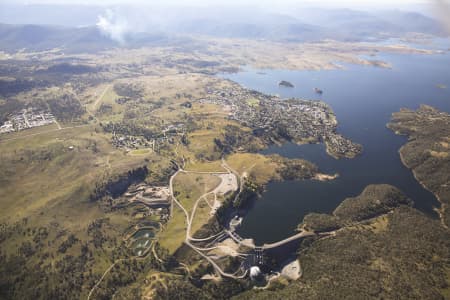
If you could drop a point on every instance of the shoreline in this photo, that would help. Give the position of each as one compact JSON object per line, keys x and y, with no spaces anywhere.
{"x":438,"y":210}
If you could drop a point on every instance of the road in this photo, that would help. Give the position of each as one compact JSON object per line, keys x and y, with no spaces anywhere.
{"x":238,"y":176}
{"x":213,"y":263}
{"x":208,"y":238}
{"x":189,"y":219}
{"x":94,"y":107}
{"x":57,"y":124}
{"x":239,"y":240}
{"x":112,"y":266}
{"x":44,"y":132}
{"x":103,"y":276}
{"x":188,"y":230}
{"x":300,"y":235}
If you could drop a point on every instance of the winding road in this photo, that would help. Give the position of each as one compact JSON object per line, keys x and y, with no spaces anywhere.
{"x":189,"y":219}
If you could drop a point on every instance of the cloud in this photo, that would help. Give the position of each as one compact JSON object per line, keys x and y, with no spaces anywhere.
{"x":442,"y":13}
{"x":114,"y":26}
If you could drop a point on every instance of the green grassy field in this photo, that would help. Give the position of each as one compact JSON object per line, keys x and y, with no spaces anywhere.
{"x":188,"y":189}
{"x":174,"y":233}
{"x":202,"y":215}
{"x":259,"y":168}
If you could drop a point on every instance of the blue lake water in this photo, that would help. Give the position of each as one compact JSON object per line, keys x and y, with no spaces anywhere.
{"x":363,"y":99}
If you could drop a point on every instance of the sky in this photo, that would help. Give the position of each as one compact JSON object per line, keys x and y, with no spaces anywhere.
{"x":347,"y":3}
{"x":437,"y":8}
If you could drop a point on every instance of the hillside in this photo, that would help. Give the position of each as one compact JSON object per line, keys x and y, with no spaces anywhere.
{"x":427,"y":152}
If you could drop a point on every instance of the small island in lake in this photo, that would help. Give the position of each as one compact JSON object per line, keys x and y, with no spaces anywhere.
{"x":286,"y":84}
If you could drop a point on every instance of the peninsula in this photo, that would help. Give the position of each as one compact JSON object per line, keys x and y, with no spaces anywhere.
{"x":427,"y":152}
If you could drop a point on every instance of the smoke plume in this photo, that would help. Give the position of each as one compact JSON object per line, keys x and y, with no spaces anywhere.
{"x":113,"y":26}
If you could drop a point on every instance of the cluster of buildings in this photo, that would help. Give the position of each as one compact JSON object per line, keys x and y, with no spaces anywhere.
{"x":156,"y":198}
{"x":296,"y":119}
{"x":152,"y":196}
{"x":27,"y":118}
{"x":133,"y":142}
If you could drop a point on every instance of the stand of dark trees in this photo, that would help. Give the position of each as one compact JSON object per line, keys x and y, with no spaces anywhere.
{"x":234,"y":138}
{"x":129,"y":90}
{"x":250,"y":192}
{"x":19,"y":85}
{"x":116,"y":186}
{"x":9,"y":107}
{"x":66,"y":108}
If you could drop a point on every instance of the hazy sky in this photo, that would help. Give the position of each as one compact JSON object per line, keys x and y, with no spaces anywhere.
{"x":347,"y":3}
{"x":438,"y":8}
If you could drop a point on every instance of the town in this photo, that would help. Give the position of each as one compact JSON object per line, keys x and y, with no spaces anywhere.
{"x":27,"y":118}
{"x":130,"y":139}
{"x":298,"y":120}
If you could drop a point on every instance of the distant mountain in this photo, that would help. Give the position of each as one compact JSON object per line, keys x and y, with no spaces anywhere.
{"x":246,"y":29}
{"x":412,"y":22}
{"x":354,"y":24}
{"x":160,"y":26}
{"x":69,"y":39}
{"x":301,"y":25}
{"x":39,"y":37}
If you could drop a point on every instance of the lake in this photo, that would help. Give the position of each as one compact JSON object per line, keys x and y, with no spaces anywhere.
{"x":363,"y":99}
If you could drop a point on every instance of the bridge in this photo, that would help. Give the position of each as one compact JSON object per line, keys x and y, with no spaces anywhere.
{"x":246,"y":242}
{"x":300,"y":235}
